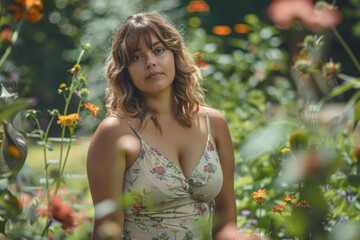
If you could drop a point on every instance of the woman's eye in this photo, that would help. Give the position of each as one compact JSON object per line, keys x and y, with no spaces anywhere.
{"x":159,"y":50}
{"x":136,"y":57}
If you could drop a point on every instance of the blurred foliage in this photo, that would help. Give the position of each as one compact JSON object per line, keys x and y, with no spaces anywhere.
{"x":247,"y":64}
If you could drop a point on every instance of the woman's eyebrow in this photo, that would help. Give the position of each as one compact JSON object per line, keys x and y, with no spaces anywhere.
{"x":152,"y":45}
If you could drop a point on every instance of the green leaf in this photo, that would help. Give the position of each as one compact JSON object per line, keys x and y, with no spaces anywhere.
{"x":356,"y":114}
{"x":4,"y":184}
{"x":10,"y":109}
{"x":337,"y":91}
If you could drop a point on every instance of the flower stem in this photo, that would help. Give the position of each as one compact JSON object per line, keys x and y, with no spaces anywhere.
{"x":347,"y":49}
{"x":260,"y":223}
{"x":49,"y":222}
{"x":14,"y":38}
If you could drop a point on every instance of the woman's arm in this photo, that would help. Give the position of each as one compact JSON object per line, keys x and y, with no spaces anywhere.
{"x":106,"y":164}
{"x":225,"y":207}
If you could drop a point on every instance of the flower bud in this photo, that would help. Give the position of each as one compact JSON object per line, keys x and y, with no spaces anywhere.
{"x":54,"y":112}
{"x":303,"y":65}
{"x":62,"y":86}
{"x":77,"y":67}
{"x":86,"y":46}
{"x":82,"y":79}
{"x":357,"y":153}
{"x":298,"y":141}
{"x":331,"y":69}
{"x":84,"y":93}
{"x":72,"y":70}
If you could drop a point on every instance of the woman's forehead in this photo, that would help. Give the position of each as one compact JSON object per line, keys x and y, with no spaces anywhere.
{"x":147,"y":40}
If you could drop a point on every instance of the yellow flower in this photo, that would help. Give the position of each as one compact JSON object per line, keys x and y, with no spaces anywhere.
{"x":62,"y":86}
{"x":68,"y":120}
{"x":77,"y":67}
{"x":285,"y":150}
{"x":91,"y":108}
{"x":84,"y":93}
{"x":260,"y":195}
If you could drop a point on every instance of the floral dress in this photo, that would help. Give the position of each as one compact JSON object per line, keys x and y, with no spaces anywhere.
{"x":161,"y":203}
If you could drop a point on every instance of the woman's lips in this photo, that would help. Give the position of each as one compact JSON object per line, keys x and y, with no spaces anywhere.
{"x":154,"y":75}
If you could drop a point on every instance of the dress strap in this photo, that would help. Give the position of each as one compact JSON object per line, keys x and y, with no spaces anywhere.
{"x":134,"y":130}
{"x":208,"y":124}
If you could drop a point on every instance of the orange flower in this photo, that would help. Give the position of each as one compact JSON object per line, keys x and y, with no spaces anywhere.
{"x":302,"y":203}
{"x":241,"y":28}
{"x":260,"y":195}
{"x":279,"y":208}
{"x":197,"y":6}
{"x":62,"y":213}
{"x":6,"y":34}
{"x":288,"y":198}
{"x":92,"y":108}
{"x":30,"y":10}
{"x":222,"y":30}
{"x":68,"y":120}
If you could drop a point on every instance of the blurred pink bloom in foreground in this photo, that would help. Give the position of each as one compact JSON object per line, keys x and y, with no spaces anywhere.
{"x":284,"y":13}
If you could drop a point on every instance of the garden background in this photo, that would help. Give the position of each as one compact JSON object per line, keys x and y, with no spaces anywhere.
{"x":284,"y":73}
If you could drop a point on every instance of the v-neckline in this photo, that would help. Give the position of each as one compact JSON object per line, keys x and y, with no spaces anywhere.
{"x":209,"y":138}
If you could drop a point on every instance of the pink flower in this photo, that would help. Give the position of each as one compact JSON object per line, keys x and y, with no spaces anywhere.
{"x":160,"y":171}
{"x":201,"y":208}
{"x":210,"y":147}
{"x":284,"y":13}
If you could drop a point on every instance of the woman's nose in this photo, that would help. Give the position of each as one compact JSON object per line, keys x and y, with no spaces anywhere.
{"x":150,"y":61}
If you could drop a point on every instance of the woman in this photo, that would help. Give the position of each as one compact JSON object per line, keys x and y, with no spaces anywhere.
{"x":176,"y":164}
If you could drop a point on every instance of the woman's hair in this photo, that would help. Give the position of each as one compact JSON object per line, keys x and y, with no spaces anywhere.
{"x":124,"y":100}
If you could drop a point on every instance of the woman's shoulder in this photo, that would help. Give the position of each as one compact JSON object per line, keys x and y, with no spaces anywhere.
{"x":113,"y":126}
{"x":215,"y":116}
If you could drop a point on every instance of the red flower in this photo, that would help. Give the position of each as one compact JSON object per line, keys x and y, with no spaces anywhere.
{"x":288,"y":198}
{"x":285,"y":12}
{"x":197,"y":6}
{"x":62,"y":213}
{"x":302,"y":203}
{"x":357,"y":153}
{"x":279,"y":208}
{"x":210,"y":147}
{"x":6,"y":34}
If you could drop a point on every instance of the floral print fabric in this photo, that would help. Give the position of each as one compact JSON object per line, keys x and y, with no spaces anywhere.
{"x":161,"y":203}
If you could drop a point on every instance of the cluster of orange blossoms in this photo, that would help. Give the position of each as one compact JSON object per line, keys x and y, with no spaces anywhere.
{"x":29,"y":10}
{"x":260,"y":195}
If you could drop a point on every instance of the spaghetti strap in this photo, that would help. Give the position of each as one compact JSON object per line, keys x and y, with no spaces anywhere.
{"x":132,"y":128}
{"x":208,"y":124}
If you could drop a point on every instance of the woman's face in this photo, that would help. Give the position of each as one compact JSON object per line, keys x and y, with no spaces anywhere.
{"x":152,"y":70}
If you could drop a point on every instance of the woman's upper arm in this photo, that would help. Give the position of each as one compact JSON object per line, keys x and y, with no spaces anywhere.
{"x":101,"y":159}
{"x":226,"y":198}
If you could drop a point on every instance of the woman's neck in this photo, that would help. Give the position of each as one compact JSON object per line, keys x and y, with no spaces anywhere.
{"x":163,"y":103}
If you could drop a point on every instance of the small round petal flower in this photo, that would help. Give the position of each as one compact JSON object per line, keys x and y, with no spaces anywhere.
{"x":288,"y":198}
{"x":279,"y":208}
{"x":84,"y":93}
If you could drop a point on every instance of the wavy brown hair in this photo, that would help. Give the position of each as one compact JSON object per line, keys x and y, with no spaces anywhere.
{"x":124,"y":100}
